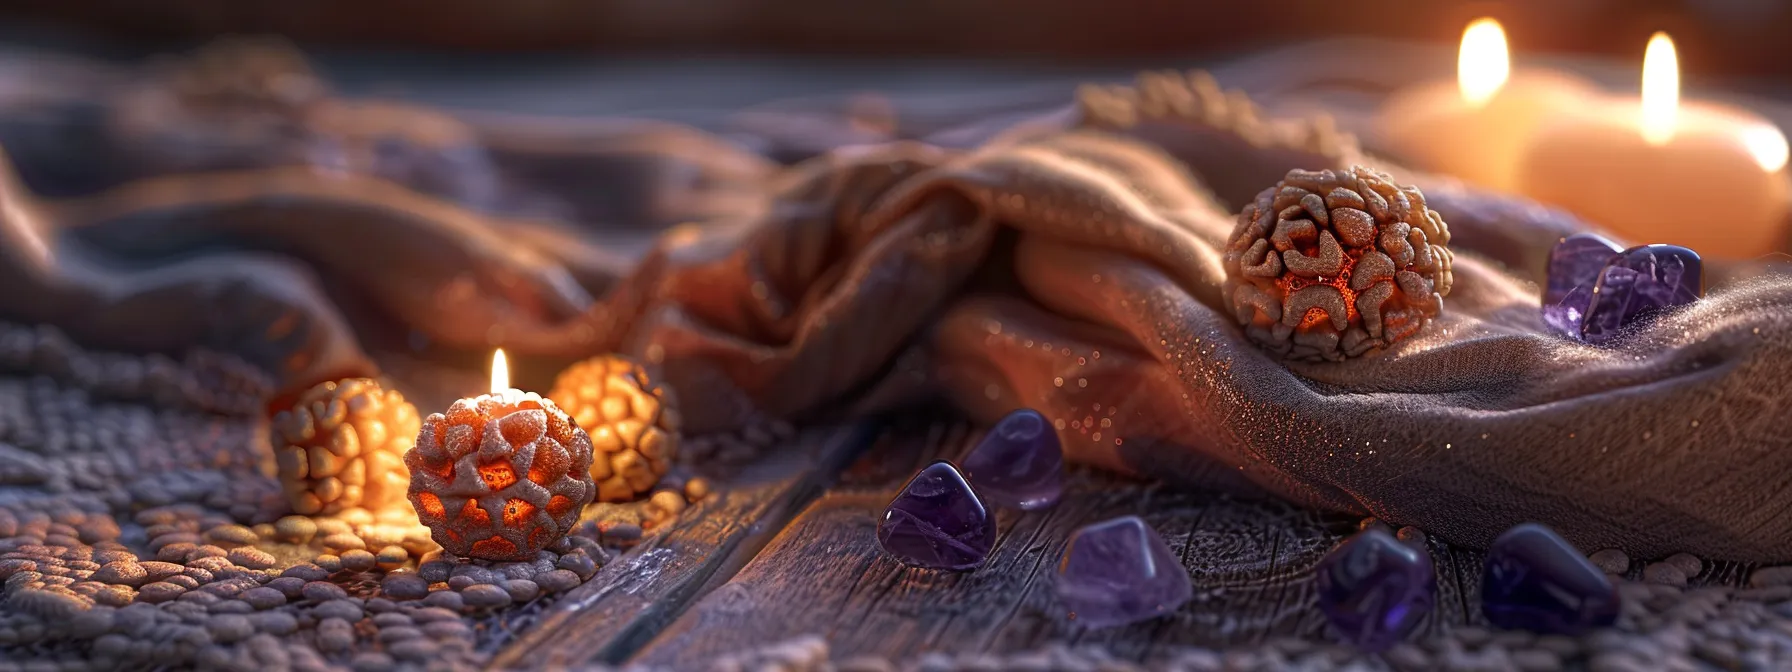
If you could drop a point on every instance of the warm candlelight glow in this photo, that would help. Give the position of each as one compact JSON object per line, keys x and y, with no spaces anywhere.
{"x":500,"y":372}
{"x":1483,"y":64}
{"x":1768,"y":145}
{"x":1661,"y":90}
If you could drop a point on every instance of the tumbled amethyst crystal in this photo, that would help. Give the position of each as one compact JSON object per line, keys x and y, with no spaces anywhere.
{"x":1641,"y":282}
{"x":1574,"y":266}
{"x":1594,"y":290}
{"x":1534,"y":580}
{"x":1019,"y":464}
{"x":937,"y":522}
{"x":1374,"y":589}
{"x":1118,"y":572}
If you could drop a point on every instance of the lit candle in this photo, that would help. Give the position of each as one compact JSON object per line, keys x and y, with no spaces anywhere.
{"x":1474,"y":128}
{"x":1656,"y":170}
{"x":502,"y":475}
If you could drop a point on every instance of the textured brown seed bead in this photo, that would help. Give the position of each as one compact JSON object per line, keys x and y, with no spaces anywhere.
{"x":342,"y":446}
{"x":501,"y":476}
{"x":1334,"y":264}
{"x":633,"y":422}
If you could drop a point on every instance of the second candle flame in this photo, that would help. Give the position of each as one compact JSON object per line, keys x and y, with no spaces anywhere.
{"x":500,"y":372}
{"x":1661,"y":90}
{"x":1483,"y":64}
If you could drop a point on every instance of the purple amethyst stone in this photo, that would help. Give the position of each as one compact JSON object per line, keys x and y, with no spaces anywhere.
{"x":1534,"y":580}
{"x":1641,"y":282}
{"x":1118,"y":572}
{"x":1019,"y":464}
{"x":1574,"y":266}
{"x":1374,"y":589}
{"x":937,"y":522}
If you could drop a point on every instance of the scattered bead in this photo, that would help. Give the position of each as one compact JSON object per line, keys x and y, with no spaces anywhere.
{"x":1374,"y":589}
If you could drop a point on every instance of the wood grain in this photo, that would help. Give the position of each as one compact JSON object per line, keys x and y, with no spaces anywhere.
{"x":635,"y":596}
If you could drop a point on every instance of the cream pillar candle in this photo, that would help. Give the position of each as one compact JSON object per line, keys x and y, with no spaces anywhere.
{"x":1476,"y":127}
{"x":1655,"y":171}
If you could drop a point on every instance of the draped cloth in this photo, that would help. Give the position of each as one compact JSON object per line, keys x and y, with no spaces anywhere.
{"x":1067,"y":261}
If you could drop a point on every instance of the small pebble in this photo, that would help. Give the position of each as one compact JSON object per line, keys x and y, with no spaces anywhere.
{"x":203,"y":552}
{"x":231,"y":607}
{"x":1610,"y":561}
{"x":435,"y":570}
{"x":228,"y":628}
{"x":455,"y":629}
{"x":334,"y":635}
{"x":1690,"y":564}
{"x":485,"y":596}
{"x":263,"y":597}
{"x":328,"y":563}
{"x":342,"y":609}
{"x":358,"y":561}
{"x":344,"y":542}
{"x":275,"y":622}
{"x":1664,"y":574}
{"x":446,"y":599}
{"x":323,"y":590}
{"x":306,"y":571}
{"x":414,"y":650}
{"x":668,"y":501}
{"x":231,"y":535}
{"x":253,"y":558}
{"x":392,"y":557}
{"x":174,"y":552}
{"x":578,"y":563}
{"x":123,"y":573}
{"x":521,"y":590}
{"x":370,"y":661}
{"x":557,"y":581}
{"x":405,"y":586}
{"x":159,"y":591}
{"x":183,"y":581}
{"x":696,"y":489}
{"x":295,"y":529}
{"x":290,"y":586}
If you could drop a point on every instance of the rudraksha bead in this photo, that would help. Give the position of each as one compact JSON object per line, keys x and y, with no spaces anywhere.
{"x":1333,"y":264}
{"x":342,"y":446}
{"x":500,"y":476}
{"x":633,"y":423}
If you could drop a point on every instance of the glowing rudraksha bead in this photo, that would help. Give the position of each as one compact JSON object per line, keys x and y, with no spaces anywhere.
{"x":500,"y":476}
{"x":1333,"y":264}
{"x":633,"y":423}
{"x":342,"y":446}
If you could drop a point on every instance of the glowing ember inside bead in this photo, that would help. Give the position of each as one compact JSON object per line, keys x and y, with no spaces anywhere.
{"x":633,"y":423}
{"x":342,"y":446}
{"x":1336,"y":263}
{"x":500,"y":476}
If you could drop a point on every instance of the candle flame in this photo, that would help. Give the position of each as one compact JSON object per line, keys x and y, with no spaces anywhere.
{"x":1483,"y":64}
{"x":500,"y":372}
{"x":1661,"y":90}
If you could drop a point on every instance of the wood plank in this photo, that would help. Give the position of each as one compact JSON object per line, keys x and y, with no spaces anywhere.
{"x":825,"y":575}
{"x":633,"y":597}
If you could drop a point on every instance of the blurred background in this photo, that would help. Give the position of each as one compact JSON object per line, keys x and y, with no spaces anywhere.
{"x":1716,"y":37}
